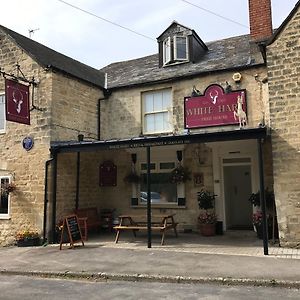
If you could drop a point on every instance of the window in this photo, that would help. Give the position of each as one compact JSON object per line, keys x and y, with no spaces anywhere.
{"x":175,"y":50}
{"x":2,"y":113}
{"x":162,"y":190}
{"x":167,"y":50}
{"x":5,"y":198}
{"x":180,"y":48}
{"x":157,"y":111}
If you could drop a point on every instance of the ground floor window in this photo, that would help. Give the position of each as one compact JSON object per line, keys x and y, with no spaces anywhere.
{"x":162,"y":190}
{"x":5,"y":198}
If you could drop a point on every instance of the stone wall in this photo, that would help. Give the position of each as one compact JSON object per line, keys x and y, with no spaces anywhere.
{"x":69,"y":108}
{"x":283,"y":71}
{"x":26,"y":168}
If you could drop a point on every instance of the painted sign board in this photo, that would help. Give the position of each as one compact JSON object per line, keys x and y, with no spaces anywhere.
{"x":17,"y":102}
{"x":214,"y":108}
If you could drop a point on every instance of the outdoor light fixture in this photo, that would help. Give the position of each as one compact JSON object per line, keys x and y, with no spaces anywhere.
{"x":179,"y":155}
{"x":133,"y":158}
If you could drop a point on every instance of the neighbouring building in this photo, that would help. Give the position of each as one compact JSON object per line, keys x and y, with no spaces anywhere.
{"x":219,"y":109}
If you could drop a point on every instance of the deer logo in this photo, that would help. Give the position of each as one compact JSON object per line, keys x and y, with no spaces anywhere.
{"x":17,"y":98}
{"x":239,"y":113}
{"x":214,"y":97}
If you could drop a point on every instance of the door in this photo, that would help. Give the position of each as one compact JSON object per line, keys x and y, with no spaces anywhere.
{"x":237,"y":188}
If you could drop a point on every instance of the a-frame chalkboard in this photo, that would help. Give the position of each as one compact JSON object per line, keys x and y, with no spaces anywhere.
{"x":71,"y":232}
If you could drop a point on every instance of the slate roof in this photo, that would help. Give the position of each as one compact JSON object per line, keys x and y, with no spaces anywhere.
{"x":50,"y":58}
{"x":227,"y":54}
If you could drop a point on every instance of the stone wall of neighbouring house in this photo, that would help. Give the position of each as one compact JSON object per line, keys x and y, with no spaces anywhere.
{"x":75,"y":109}
{"x":283,"y":71}
{"x":26,"y":168}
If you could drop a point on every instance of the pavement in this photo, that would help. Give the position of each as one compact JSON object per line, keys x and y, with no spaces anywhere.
{"x":190,"y":258}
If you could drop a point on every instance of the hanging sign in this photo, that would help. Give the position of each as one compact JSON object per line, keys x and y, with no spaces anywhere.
{"x":17,"y":102}
{"x":108,"y":174}
{"x":214,"y":108}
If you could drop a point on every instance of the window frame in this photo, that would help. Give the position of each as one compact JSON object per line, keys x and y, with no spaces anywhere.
{"x":5,"y":216}
{"x":158,"y":170}
{"x":186,"y":48}
{"x":167,"y":51}
{"x":3,"y":130}
{"x":167,"y":110}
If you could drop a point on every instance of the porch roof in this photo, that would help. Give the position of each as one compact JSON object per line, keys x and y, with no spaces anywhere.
{"x":152,"y":141}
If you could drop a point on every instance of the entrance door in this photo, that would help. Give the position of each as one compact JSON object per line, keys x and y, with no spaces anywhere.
{"x":237,"y":187}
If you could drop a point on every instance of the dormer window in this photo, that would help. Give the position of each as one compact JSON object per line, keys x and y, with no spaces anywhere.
{"x":179,"y":44}
{"x":175,"y":49}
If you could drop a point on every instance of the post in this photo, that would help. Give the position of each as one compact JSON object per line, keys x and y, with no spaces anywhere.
{"x":148,"y":197}
{"x":54,"y":190}
{"x":77,"y":181}
{"x":262,"y":196}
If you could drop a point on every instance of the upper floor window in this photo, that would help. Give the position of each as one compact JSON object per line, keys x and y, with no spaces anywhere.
{"x":175,"y":49}
{"x":4,"y":198}
{"x":157,"y":111}
{"x":2,"y":113}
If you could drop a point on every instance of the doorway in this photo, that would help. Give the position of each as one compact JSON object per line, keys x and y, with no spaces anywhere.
{"x":237,"y":190}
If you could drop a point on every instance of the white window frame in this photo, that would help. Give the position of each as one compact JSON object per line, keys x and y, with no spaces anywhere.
{"x":165,"y":110}
{"x":186,"y":48}
{"x":2,"y":130}
{"x":2,"y":215}
{"x":167,"y":50}
{"x":157,"y":169}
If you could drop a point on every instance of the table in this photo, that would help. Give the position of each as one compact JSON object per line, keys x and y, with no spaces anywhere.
{"x":133,"y":223}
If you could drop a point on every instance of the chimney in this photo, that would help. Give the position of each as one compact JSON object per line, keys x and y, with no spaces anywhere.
{"x":260,"y":18}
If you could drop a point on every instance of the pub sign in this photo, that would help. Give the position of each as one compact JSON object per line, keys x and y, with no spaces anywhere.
{"x":17,"y":102}
{"x":214,"y":108}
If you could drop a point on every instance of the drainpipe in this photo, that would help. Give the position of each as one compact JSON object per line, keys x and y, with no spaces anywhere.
{"x":54,"y":191}
{"x":106,"y":94}
{"x":262,"y":196}
{"x":47,"y":163}
{"x":149,"y":196}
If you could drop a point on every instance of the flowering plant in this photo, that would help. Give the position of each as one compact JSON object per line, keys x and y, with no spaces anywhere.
{"x":207,"y":218}
{"x":7,"y":188}
{"x":257,"y":218}
{"x":27,"y":234}
{"x":132,"y":177}
{"x":180,"y":174}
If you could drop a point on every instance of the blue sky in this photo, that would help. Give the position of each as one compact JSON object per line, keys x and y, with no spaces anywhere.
{"x":98,"y":43}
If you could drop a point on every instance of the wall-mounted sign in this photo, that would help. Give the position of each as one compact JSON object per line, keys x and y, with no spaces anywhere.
{"x":108,"y":174}
{"x":214,"y":108}
{"x":17,"y":102}
{"x":27,"y":143}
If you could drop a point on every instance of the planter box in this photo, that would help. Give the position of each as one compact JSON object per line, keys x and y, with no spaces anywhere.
{"x":29,"y":242}
{"x":208,"y":229}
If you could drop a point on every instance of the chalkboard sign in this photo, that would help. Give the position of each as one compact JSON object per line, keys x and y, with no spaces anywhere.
{"x":71,"y":232}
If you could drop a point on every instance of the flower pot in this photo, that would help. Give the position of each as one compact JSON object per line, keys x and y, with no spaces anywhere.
{"x":208,"y":229}
{"x":28,"y":242}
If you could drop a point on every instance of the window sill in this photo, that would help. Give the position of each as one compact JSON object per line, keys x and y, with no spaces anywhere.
{"x":159,"y":206}
{"x":3,"y":217}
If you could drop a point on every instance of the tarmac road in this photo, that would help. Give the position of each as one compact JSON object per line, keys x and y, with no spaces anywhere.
{"x":33,"y":288}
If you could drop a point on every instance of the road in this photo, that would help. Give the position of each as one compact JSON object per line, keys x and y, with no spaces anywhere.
{"x":33,"y":288}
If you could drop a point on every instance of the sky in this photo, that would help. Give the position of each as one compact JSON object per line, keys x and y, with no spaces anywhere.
{"x":87,"y":37}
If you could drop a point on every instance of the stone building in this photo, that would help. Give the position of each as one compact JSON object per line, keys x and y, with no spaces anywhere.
{"x":179,"y":107}
{"x":63,"y":104}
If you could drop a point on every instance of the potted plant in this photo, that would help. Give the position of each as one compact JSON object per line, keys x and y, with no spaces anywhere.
{"x":132,"y":177}
{"x":207,"y":219}
{"x":271,"y":213}
{"x":7,"y":187}
{"x":27,"y":238}
{"x":180,"y":175}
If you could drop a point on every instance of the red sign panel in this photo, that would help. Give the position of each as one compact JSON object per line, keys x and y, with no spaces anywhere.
{"x":214,"y":108}
{"x":17,"y":102}
{"x":108,"y":174}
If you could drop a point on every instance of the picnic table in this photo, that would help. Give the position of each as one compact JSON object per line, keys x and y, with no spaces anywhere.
{"x":135,"y":223}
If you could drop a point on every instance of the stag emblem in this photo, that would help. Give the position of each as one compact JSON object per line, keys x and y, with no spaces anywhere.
{"x":17,"y":98}
{"x":214,"y":97}
{"x":239,"y":113}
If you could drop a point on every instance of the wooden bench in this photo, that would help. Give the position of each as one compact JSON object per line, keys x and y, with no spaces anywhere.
{"x":166,"y":224}
{"x":91,"y":218}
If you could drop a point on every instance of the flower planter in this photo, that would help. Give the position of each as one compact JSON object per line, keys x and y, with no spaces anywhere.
{"x":208,"y":229}
{"x":28,"y":242}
